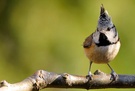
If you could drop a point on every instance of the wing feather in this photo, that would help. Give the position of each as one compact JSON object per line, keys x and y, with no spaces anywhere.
{"x":88,"y":41}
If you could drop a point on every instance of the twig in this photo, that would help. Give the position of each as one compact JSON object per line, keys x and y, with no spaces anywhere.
{"x":43,"y":79}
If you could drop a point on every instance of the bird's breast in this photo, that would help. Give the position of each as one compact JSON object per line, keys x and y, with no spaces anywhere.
{"x":102,"y":54}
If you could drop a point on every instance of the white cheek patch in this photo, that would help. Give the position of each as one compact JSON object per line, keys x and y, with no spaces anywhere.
{"x":96,"y":37}
{"x":110,"y":35}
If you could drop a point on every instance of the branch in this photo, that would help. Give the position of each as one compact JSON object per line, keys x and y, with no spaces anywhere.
{"x":43,"y":79}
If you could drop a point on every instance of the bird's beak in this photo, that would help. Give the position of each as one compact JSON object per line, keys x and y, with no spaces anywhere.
{"x":102,"y":9}
{"x":103,"y":12}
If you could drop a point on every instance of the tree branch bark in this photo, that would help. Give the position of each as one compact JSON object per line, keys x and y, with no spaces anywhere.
{"x":43,"y":79}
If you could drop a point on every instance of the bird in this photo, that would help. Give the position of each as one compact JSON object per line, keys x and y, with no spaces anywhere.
{"x":103,"y":44}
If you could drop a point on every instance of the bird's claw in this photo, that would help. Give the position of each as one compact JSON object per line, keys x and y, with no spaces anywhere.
{"x":113,"y":76}
{"x":89,"y":76}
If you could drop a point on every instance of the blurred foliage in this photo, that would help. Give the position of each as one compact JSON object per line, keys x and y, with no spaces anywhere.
{"x":48,"y":34}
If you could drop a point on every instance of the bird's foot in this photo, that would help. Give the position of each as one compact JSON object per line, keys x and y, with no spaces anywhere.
{"x":113,"y":76}
{"x":89,"y":76}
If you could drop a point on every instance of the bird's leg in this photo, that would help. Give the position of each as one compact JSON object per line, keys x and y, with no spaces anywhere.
{"x":113,"y":74}
{"x":89,"y":71}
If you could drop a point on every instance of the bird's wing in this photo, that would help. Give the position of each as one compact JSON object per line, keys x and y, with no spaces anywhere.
{"x":88,"y":41}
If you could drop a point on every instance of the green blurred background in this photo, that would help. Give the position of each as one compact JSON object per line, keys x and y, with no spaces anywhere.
{"x":48,"y":35}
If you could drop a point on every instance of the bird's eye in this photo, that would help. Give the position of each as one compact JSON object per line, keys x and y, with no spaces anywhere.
{"x":108,"y":29}
{"x":97,"y":29}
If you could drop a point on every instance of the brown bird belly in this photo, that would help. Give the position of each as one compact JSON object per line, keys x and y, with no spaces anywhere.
{"x":102,"y":54}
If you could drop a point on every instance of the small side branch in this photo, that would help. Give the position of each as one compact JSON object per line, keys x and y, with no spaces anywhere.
{"x":43,"y":79}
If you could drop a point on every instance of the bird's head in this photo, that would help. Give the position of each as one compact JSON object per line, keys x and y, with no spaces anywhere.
{"x":105,"y":27}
